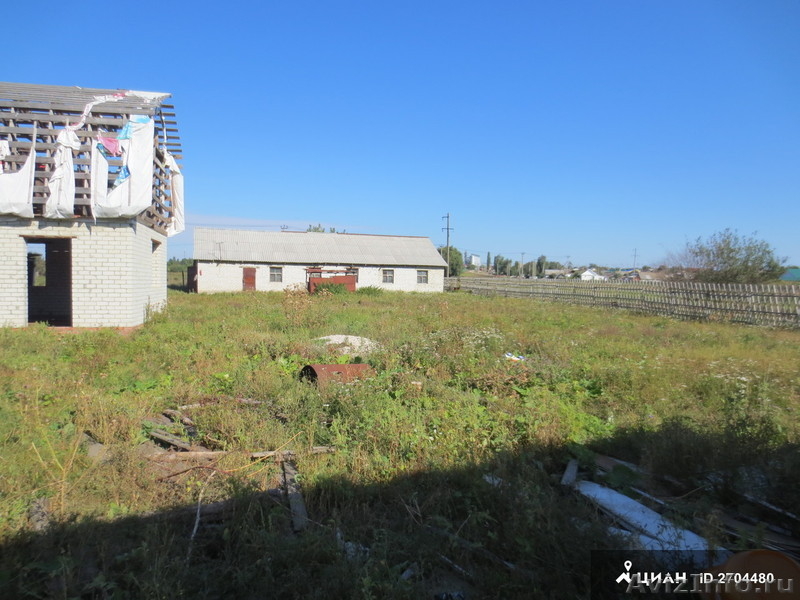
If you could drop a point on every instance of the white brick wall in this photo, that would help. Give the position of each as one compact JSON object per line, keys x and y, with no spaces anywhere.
{"x":227,"y":277}
{"x":117,"y":276}
{"x":13,"y":274}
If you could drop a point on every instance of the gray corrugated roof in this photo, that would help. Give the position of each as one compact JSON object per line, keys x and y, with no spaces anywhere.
{"x":284,"y":247}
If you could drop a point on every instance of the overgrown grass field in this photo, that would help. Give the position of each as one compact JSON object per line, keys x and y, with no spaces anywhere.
{"x":447,"y":461}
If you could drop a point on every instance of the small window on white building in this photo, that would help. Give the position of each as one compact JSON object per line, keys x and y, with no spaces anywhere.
{"x":422,"y":277}
{"x":276,"y":274}
{"x":388,"y":276}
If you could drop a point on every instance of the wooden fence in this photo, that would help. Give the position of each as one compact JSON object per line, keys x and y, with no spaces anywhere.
{"x":766,"y":305}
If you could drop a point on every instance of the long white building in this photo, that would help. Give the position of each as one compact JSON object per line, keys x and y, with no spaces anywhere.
{"x":228,"y":260}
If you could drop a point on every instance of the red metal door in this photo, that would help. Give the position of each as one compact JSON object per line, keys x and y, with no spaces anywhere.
{"x":248,"y":279}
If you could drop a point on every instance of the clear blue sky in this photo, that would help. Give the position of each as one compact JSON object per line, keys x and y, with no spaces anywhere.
{"x":581,"y":129}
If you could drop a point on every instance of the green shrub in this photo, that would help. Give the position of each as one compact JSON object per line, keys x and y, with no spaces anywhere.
{"x":369,"y":290}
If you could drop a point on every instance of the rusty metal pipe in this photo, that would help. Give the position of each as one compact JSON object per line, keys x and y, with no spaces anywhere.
{"x":338,"y":373}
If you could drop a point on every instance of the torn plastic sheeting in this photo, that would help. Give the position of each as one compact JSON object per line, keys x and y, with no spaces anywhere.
{"x":133,"y":194}
{"x":147,"y":97}
{"x":61,"y":202}
{"x":16,"y":187}
{"x":178,"y":222}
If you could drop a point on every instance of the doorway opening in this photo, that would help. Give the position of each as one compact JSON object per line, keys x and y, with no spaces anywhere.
{"x":50,"y":281}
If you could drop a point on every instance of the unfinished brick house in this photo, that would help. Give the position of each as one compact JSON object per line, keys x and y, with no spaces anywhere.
{"x":90,"y":189}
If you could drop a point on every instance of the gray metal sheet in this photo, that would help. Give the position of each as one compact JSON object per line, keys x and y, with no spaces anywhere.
{"x":313,"y":248}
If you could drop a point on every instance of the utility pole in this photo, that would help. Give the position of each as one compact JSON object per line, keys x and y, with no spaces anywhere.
{"x":522,"y":267}
{"x":634,"y":259}
{"x":448,"y":229}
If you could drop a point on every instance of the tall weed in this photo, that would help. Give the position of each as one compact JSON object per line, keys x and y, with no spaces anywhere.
{"x":413,"y":443}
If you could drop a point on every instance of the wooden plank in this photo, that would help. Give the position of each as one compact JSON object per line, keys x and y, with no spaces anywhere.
{"x":297,"y":505}
{"x":42,"y":146}
{"x":107,"y":108}
{"x":768,"y":539}
{"x":570,"y":473}
{"x":178,"y":417}
{"x":188,"y":455}
{"x":63,"y":118}
{"x":46,"y":160}
{"x":214,"y":454}
{"x":163,"y":436}
{"x":313,"y":450}
{"x":52,"y":132}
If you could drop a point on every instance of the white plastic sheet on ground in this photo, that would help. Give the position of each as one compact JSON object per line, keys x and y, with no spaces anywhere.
{"x":648,"y":529}
{"x":640,"y":518}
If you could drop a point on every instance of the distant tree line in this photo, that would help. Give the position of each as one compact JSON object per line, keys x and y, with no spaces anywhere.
{"x":179,"y":265}
{"x":498,"y":264}
{"x":725,"y":257}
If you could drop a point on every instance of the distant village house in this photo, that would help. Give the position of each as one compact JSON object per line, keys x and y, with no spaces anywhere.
{"x":592,"y":275}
